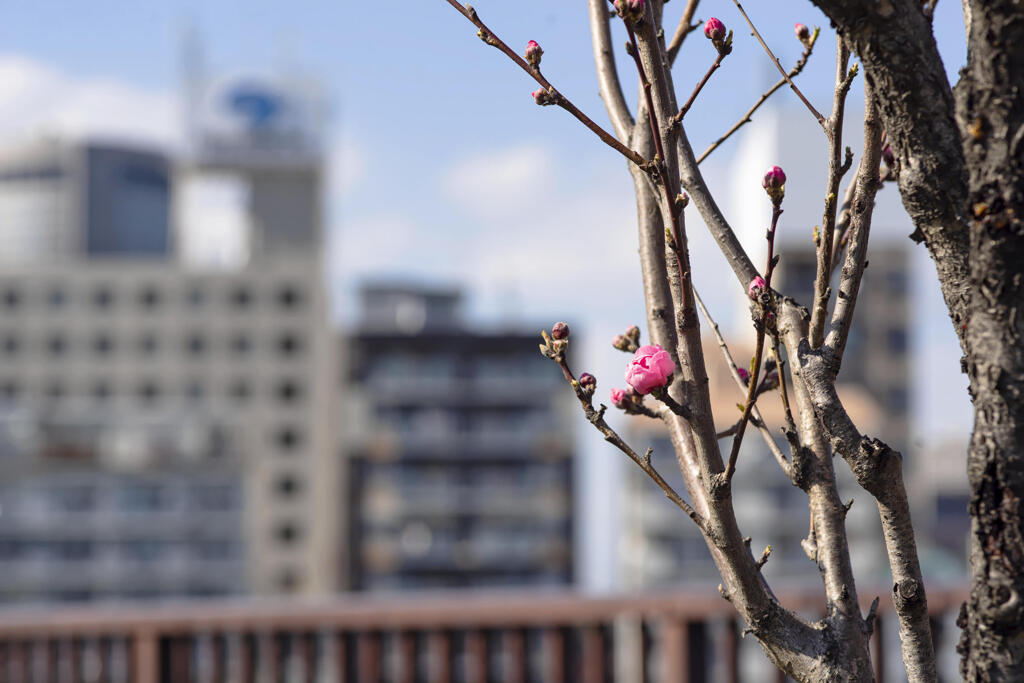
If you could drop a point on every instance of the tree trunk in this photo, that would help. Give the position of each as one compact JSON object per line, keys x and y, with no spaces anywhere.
{"x":990,"y":111}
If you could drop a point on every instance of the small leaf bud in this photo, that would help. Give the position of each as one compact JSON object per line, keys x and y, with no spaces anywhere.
{"x":533,"y":53}
{"x":588,"y":382}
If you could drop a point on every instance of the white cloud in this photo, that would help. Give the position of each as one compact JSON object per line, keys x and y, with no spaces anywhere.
{"x":500,"y":179}
{"x":36,"y":100}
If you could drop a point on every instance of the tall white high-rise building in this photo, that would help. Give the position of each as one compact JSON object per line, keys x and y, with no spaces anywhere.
{"x":167,"y":424}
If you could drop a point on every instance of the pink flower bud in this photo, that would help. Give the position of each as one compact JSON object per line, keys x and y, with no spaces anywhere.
{"x":774,"y":177}
{"x":802,"y":33}
{"x":630,"y":9}
{"x":633,"y":332}
{"x":560,"y":331}
{"x":588,"y":382}
{"x":542,"y":97}
{"x":774,"y":184}
{"x":650,"y":369}
{"x":756,"y":286}
{"x":744,"y":375}
{"x":618,"y":397}
{"x":533,"y":53}
{"x":714,"y":29}
{"x":620,"y":342}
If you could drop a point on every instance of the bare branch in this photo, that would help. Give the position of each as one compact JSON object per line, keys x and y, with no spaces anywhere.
{"x":860,"y":226}
{"x":836,"y":170}
{"x":775,"y":60}
{"x":558,"y":98}
{"x":607,"y":73}
{"x":745,"y":119}
{"x":684,"y":29}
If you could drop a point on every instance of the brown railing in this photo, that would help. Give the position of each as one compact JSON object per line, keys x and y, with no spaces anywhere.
{"x":502,"y":637}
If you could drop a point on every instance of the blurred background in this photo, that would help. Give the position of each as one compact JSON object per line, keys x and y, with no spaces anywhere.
{"x":271,"y":284}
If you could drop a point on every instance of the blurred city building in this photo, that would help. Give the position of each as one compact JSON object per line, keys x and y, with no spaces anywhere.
{"x":460,"y":450}
{"x":167,"y":423}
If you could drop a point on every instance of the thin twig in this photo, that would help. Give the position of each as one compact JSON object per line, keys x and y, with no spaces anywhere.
{"x":696,"y":91}
{"x":491,"y":39}
{"x":730,"y":468}
{"x":775,"y":60}
{"x":755,"y":413}
{"x":793,"y":73}
{"x":685,"y":28}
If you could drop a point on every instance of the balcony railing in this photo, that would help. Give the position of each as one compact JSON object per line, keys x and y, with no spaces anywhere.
{"x":505,"y":637}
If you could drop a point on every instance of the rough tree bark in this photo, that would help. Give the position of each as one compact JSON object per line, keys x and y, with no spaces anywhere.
{"x":990,"y":111}
{"x":962,"y":181}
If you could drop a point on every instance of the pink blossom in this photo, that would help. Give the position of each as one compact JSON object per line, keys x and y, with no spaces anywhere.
{"x":618,"y":398}
{"x":533,"y":53}
{"x":714,"y":29}
{"x":744,"y":375}
{"x":756,"y":286}
{"x":650,"y":368}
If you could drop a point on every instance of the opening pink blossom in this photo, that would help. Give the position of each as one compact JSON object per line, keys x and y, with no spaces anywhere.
{"x":650,"y":368}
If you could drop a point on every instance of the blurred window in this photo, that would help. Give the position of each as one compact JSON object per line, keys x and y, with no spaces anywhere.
{"x":12,"y":298}
{"x":288,"y":391}
{"x":214,"y":497}
{"x":73,"y":550}
{"x":80,"y":498}
{"x":195,"y":344}
{"x":288,"y":438}
{"x":241,"y":297}
{"x":240,"y":343}
{"x":56,"y":344}
{"x":287,"y":533}
{"x":289,"y":344}
{"x":138,"y":497}
{"x":149,"y":297}
{"x":289,"y":297}
{"x":240,"y":390}
{"x":148,"y":344}
{"x":57,"y":297}
{"x":11,"y":344}
{"x":103,"y":297}
{"x":102,"y":344}
{"x":896,"y":340}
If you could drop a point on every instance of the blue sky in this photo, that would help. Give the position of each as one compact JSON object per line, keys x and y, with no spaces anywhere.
{"x":442,"y":167}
